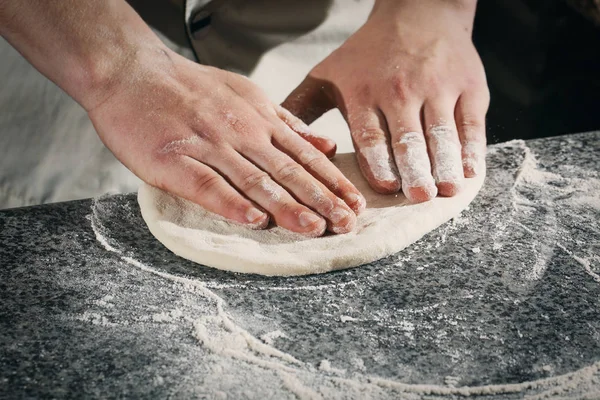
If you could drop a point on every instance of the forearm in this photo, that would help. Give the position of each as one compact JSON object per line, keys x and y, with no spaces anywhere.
{"x":80,"y":45}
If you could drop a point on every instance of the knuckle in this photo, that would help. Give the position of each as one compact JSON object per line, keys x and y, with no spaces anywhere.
{"x":363,"y":91}
{"x":368,"y":135}
{"x":203,"y":130}
{"x":310,"y":158}
{"x":253,"y":180}
{"x":289,"y":172}
{"x":408,"y":139}
{"x":400,"y":88}
{"x":471,"y":123}
{"x":206,"y":183}
{"x":440,"y":131}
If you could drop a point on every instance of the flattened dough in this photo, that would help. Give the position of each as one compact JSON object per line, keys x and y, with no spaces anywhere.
{"x":388,"y":225}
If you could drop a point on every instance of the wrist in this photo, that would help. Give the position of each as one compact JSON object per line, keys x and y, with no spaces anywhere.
{"x":101,"y":75}
{"x":423,"y":12}
{"x":467,"y":6}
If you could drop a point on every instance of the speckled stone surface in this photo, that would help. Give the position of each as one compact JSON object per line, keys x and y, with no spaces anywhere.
{"x":507,"y":295}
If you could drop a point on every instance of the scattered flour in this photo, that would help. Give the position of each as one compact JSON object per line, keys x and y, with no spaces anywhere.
{"x":234,"y":346}
{"x":325,"y":366}
{"x":270,"y":337}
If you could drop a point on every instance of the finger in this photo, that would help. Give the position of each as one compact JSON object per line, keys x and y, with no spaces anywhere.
{"x":309,"y":100}
{"x":239,"y":86}
{"x":320,"y":168}
{"x":410,"y":152}
{"x":304,"y":187}
{"x":258,"y":186}
{"x":197,"y":182}
{"x":323,"y":144}
{"x":443,"y":146}
{"x":470,"y":120}
{"x":368,"y":130}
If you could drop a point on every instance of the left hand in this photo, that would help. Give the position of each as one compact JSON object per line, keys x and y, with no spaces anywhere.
{"x":413,"y":91}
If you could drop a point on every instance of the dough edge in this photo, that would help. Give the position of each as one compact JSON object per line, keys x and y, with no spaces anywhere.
{"x":407,"y":224}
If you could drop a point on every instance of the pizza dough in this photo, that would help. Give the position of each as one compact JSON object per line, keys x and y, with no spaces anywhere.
{"x":389,"y":224}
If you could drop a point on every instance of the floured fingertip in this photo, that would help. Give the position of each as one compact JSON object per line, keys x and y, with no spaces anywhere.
{"x":357,"y":202}
{"x":314,"y":225}
{"x":256,"y":219}
{"x":449,"y":189}
{"x":473,"y":154}
{"x":420,"y":193}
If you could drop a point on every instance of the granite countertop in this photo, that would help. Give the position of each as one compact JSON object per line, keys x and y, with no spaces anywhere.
{"x":502,"y":302}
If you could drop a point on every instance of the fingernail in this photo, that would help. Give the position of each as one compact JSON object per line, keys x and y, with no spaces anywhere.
{"x":254,"y":214}
{"x":338,"y":214}
{"x":307,"y":219}
{"x":356,"y":200}
{"x":349,"y":227}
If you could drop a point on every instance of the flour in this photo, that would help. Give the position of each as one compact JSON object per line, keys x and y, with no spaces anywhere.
{"x":325,"y":366}
{"x":584,"y":262}
{"x":539,"y":194}
{"x":270,"y":337}
{"x":347,"y":318}
{"x":236,"y":354}
{"x":474,"y":156}
{"x":380,"y":162}
{"x":413,"y":163}
{"x":95,"y":318}
{"x":273,"y":190}
{"x":176,"y":146}
{"x":447,"y":166}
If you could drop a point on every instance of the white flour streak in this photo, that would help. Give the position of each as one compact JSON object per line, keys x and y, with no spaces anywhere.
{"x":530,"y":179}
{"x":298,"y":388}
{"x":273,"y":190}
{"x":177,"y":145}
{"x":447,"y":165}
{"x":220,"y":334}
{"x":269,"y":337}
{"x":413,"y":162}
{"x":347,"y":318}
{"x":325,"y":365}
{"x":380,"y":163}
{"x":586,"y":373}
{"x":474,"y":156}
{"x":586,"y":264}
{"x":214,"y":285}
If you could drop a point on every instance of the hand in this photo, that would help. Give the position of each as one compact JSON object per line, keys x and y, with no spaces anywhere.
{"x":214,"y":138}
{"x":413,"y":91}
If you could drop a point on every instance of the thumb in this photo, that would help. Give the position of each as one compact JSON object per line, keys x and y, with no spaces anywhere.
{"x":307,"y":102}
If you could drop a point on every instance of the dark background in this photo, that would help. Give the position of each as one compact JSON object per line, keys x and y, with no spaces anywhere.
{"x":542,"y":59}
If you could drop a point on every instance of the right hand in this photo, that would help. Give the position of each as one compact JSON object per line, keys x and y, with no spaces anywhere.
{"x":214,"y":138}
